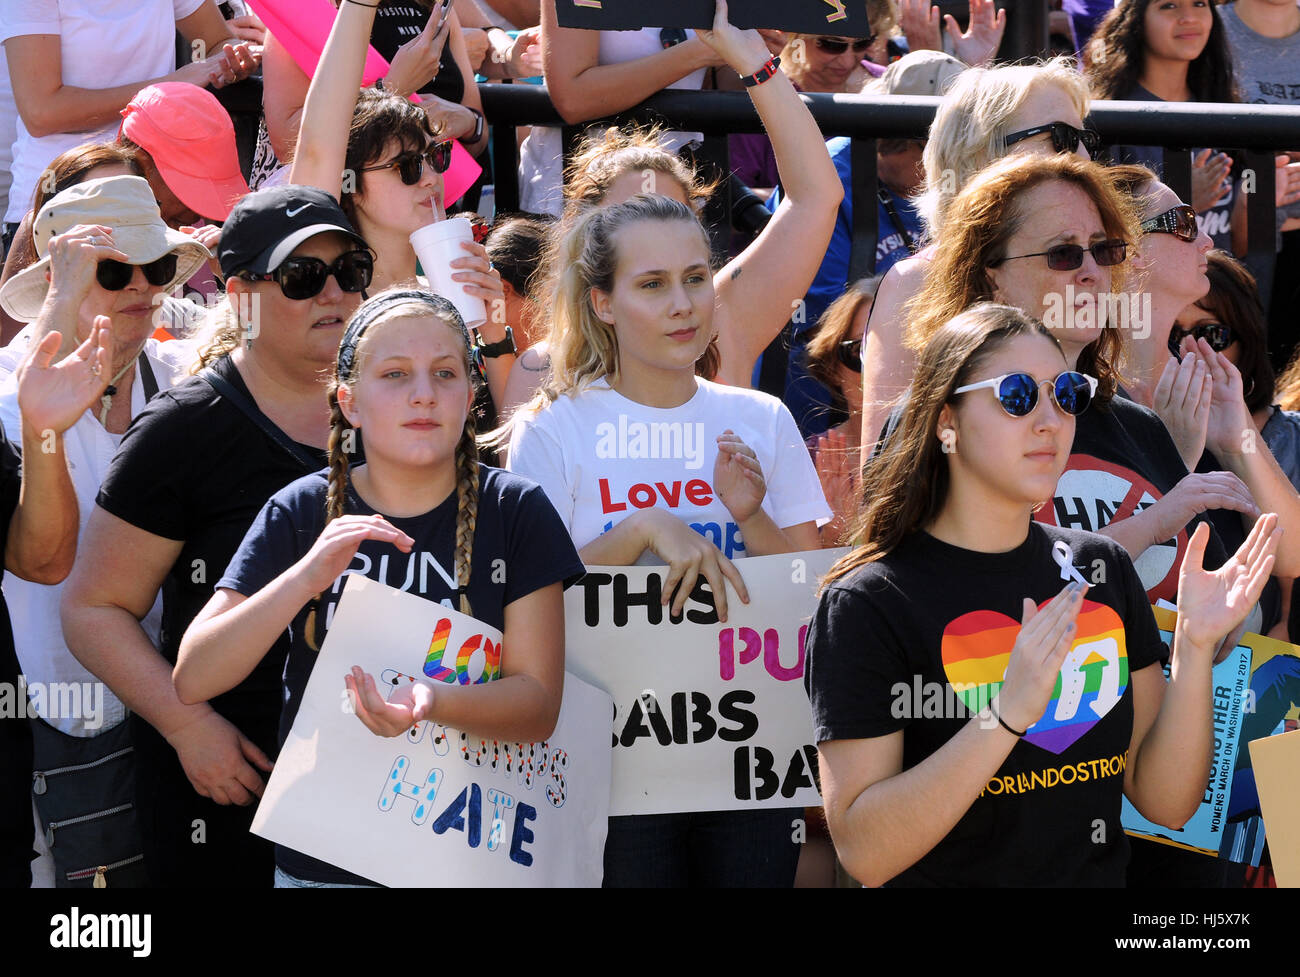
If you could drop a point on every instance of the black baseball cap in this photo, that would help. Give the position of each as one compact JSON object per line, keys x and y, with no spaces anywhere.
{"x":266,"y":225}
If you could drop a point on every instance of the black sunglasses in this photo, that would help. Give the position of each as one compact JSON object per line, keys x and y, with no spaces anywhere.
{"x":114,"y":275}
{"x":303,"y":278}
{"x":1018,"y":392}
{"x":1068,"y":257}
{"x":410,"y":166}
{"x":1219,"y":336}
{"x":1179,"y":221}
{"x":832,"y":46}
{"x":1065,"y":137}
{"x":671,"y":37}
{"x":850,"y":354}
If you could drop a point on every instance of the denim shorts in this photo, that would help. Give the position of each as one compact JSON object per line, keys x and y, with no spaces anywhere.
{"x":283,"y":880}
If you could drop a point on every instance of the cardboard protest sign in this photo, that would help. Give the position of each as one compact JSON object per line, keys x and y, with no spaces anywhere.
{"x":438,"y":806}
{"x":1276,"y":760}
{"x":1207,"y":830}
{"x":707,"y":716}
{"x":840,"y":18}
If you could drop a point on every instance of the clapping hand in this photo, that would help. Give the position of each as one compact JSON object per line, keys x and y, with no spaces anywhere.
{"x":1182,"y":401}
{"x":53,"y":396}
{"x":1215,"y":603}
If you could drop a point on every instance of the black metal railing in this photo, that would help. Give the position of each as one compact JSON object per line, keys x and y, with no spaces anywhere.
{"x":1256,"y":130}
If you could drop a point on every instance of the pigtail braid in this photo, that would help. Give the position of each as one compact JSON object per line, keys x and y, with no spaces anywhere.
{"x":334,"y":496}
{"x":466,"y":508}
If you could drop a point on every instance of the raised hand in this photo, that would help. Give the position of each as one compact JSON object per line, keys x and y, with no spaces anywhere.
{"x":1210,"y":182}
{"x":416,"y":62}
{"x":525,"y":55}
{"x":744,"y":51}
{"x":1286,"y":183}
{"x":1214,"y":603}
{"x":920,"y":24}
{"x":838,"y":468}
{"x":338,"y":544}
{"x":738,"y":477}
{"x":1196,"y":493}
{"x":410,"y":703}
{"x":1182,"y":400}
{"x":209,"y":235}
{"x":1231,"y":429}
{"x":1035,"y":663}
{"x":979,"y":44}
{"x":53,"y":396}
{"x":75,"y":257}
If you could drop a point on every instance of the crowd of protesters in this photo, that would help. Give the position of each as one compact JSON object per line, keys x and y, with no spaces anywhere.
{"x":210,"y":288}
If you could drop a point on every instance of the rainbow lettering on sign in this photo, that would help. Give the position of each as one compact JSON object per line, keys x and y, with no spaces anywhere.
{"x":433,"y":666}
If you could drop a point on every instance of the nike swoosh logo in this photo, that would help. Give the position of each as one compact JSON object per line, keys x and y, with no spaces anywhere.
{"x":295,"y":213}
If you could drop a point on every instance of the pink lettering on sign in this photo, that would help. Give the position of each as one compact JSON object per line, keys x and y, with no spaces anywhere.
{"x":643,"y":496}
{"x":770,"y":646}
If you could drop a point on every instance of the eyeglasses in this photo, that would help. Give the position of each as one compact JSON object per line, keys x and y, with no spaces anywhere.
{"x":1179,"y":221}
{"x":114,"y":275}
{"x":410,"y":166}
{"x":1065,"y":137}
{"x":671,"y":37}
{"x":850,"y":354}
{"x":1219,"y":336}
{"x":1018,"y":392}
{"x":1068,"y":257}
{"x":303,"y":278}
{"x":836,"y":47}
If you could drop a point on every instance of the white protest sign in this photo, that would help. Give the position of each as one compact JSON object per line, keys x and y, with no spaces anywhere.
{"x":708,"y":716}
{"x":435,"y":807}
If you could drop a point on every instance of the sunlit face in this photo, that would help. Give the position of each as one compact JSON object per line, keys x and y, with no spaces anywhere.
{"x":661,"y":304}
{"x":632,"y":182}
{"x":383,"y":202}
{"x":1177,"y":30}
{"x":1175,"y":268}
{"x":1019,"y":459}
{"x":131,"y":309}
{"x":412,"y":393}
{"x":820,"y":67}
{"x":1044,"y":104}
{"x":1055,"y":213}
{"x":299,"y":330}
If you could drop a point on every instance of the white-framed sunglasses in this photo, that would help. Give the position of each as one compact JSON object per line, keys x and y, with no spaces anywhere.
{"x":1018,"y":392}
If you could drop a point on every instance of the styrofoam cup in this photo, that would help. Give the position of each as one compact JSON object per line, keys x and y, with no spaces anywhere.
{"x":437,"y":245}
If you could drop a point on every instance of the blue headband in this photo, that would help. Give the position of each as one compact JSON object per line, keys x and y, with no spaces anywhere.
{"x":385,"y":301}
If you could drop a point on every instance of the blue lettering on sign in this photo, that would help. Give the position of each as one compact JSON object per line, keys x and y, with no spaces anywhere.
{"x":728,"y":541}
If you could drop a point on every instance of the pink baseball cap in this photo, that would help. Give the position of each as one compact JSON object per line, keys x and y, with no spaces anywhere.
{"x":192,"y":142}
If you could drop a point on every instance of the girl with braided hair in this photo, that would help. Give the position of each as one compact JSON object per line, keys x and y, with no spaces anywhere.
{"x":421,"y":515}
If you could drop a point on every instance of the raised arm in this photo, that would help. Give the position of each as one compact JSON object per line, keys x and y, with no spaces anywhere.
{"x":582,"y":88}
{"x":887,"y":364}
{"x":759,"y":290}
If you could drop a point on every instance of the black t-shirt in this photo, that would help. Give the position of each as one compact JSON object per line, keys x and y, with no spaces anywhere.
{"x":395,"y":24}
{"x":520,"y":545}
{"x":1123,"y":461}
{"x":193,"y":467}
{"x":889,"y":644}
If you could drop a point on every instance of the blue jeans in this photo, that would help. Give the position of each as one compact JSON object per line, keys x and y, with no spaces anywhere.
{"x":713,"y":849}
{"x":283,"y":880}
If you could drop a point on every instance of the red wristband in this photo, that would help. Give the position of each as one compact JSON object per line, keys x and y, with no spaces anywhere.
{"x":762,"y":74}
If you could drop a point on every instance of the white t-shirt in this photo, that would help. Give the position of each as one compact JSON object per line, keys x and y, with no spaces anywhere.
{"x":600,"y":457}
{"x":103,"y":44}
{"x":8,"y":130}
{"x":541,"y":163}
{"x":33,"y":607}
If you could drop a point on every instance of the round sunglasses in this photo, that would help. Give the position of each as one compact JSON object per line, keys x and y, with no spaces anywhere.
{"x":1069,"y":257}
{"x":1179,"y":221}
{"x":835,"y":47}
{"x":114,"y":275}
{"x":1018,"y":392}
{"x":410,"y":165}
{"x":303,"y":278}
{"x":1065,"y":137}
{"x":1219,"y":336}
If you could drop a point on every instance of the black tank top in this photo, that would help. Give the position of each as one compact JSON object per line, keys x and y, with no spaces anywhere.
{"x":395,"y":24}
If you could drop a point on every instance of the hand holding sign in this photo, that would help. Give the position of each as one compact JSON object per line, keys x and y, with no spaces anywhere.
{"x":743,"y":50}
{"x":1212,"y":604}
{"x":689,"y":556}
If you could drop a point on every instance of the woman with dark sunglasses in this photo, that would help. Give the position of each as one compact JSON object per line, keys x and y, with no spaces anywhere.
{"x":1039,"y":639}
{"x":192,"y":473}
{"x":376,"y":152}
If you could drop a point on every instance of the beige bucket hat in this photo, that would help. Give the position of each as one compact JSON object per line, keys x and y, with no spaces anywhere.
{"x":124,"y":203}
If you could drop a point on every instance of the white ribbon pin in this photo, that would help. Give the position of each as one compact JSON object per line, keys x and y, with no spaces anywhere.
{"x":1064,"y":558}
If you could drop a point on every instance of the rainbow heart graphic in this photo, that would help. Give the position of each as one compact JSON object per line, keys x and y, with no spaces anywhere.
{"x":977,"y":646}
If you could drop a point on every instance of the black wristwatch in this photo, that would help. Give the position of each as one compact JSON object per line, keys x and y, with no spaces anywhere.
{"x":501,"y":348}
{"x":478,"y":125}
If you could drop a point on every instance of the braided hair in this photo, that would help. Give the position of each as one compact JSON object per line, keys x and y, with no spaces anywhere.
{"x":401,"y":302}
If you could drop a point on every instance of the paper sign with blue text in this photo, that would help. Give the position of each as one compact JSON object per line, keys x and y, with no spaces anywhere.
{"x":708,"y":716}
{"x":839,"y":18}
{"x":436,"y":806}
